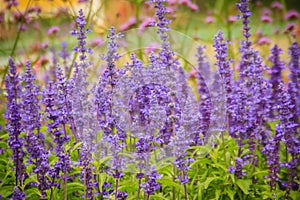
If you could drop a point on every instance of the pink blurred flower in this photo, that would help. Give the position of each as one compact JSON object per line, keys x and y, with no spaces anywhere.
{"x":189,"y":4}
{"x":291,"y":14}
{"x":232,"y":18}
{"x":259,"y":3}
{"x":36,"y":9}
{"x":131,"y":21}
{"x":263,"y":40}
{"x":276,"y":30}
{"x":172,"y":2}
{"x":1,"y":17}
{"x":96,"y":42}
{"x":277,"y":5}
{"x":43,"y":60}
{"x":266,"y":19}
{"x":259,"y":33}
{"x":210,"y":19}
{"x":146,"y":22}
{"x":193,"y":73}
{"x":53,"y":30}
{"x":266,"y":11}
{"x":152,"y":47}
{"x":289,"y":28}
{"x":22,"y":27}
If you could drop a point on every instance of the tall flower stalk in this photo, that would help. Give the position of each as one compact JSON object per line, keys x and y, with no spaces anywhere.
{"x":31,"y":122}
{"x":13,"y":125}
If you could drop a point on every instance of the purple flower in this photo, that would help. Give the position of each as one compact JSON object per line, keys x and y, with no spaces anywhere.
{"x":85,"y":161}
{"x":291,"y":14}
{"x":64,"y":54}
{"x":151,"y":185}
{"x":290,"y":138}
{"x":18,"y":194}
{"x":13,"y":124}
{"x":57,"y":129}
{"x":81,"y":36}
{"x":266,"y":19}
{"x":223,"y":64}
{"x":276,"y":5}
{"x":243,"y":7}
{"x":53,"y":30}
{"x":271,"y":150}
{"x":38,"y":155}
{"x":276,"y":77}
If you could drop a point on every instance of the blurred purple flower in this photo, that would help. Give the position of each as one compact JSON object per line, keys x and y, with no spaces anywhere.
{"x":152,"y":47}
{"x":266,"y":19}
{"x":289,"y":28}
{"x":11,"y":3}
{"x":264,"y":41}
{"x":190,"y":4}
{"x":96,"y":42}
{"x":266,"y":12}
{"x":291,"y":14}
{"x":131,"y":22}
{"x":232,"y":18}
{"x":210,"y":19}
{"x":277,"y":5}
{"x":148,"y":21}
{"x":53,"y":30}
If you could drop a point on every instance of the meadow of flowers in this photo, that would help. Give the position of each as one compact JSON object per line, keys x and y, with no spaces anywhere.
{"x":149,"y":124}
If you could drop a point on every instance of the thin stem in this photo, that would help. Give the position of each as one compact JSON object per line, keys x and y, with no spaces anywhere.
{"x":117,"y":185}
{"x":139,"y":189}
{"x":185,"y":192}
{"x":51,"y":192}
{"x":173,"y":189}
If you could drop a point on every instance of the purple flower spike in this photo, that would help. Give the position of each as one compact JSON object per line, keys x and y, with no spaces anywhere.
{"x":81,"y":36}
{"x":38,"y":155}
{"x":276,"y":77}
{"x":13,"y":116}
{"x":243,"y":7}
{"x":223,"y":64}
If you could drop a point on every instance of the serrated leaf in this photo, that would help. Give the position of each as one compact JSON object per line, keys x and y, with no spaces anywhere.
{"x":244,"y":185}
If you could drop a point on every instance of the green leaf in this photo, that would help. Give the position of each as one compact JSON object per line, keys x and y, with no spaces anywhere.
{"x":158,"y":196}
{"x":76,"y":146}
{"x":4,"y":137}
{"x":32,"y":178}
{"x":295,"y":195}
{"x":32,"y":192}
{"x":231,"y":194}
{"x":244,"y":185}
{"x":72,"y":187}
{"x":6,"y":191}
{"x":167,"y":181}
{"x":208,"y":181}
